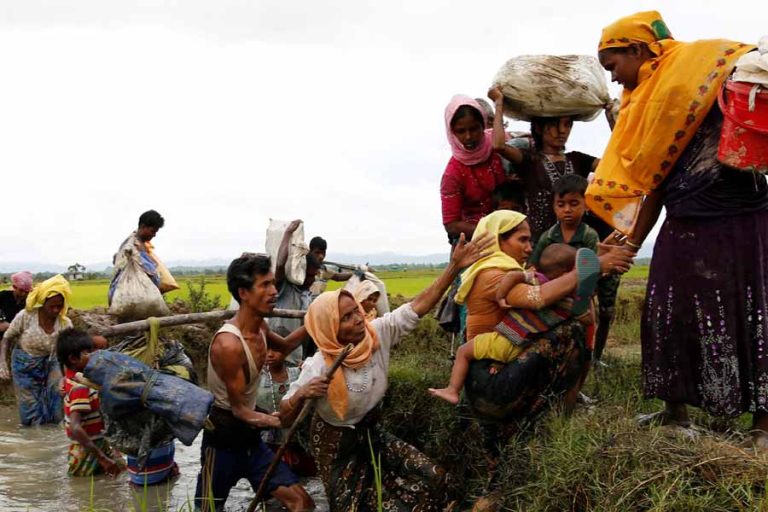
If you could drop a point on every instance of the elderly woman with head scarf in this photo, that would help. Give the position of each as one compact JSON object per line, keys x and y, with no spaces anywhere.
{"x":704,"y":322}
{"x":36,"y":372}
{"x":346,"y":427}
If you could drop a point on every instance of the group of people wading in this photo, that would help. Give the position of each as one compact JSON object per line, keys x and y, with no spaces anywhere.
{"x":506,"y":201}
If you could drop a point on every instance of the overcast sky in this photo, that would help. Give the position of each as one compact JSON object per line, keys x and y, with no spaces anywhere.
{"x":221,"y":114}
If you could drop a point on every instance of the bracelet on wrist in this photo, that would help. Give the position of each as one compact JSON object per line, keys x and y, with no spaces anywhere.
{"x":633,"y":245}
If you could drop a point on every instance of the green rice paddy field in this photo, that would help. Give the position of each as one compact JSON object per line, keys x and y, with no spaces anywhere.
{"x":90,"y":294}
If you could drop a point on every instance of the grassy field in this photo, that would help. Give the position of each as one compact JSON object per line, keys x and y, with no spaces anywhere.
{"x":90,"y":294}
{"x":599,"y":459}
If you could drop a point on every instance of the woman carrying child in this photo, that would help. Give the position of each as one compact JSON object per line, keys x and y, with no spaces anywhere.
{"x":540,"y":161}
{"x":551,"y":364}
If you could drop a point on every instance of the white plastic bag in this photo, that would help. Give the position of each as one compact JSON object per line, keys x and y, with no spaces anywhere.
{"x":296,"y":265}
{"x":553,"y":86}
{"x":382,"y":305}
{"x":752,"y":67}
{"x":136,"y":297}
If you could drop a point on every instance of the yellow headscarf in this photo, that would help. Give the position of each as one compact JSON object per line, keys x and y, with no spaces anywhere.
{"x":322,"y":323}
{"x":657,"y":120}
{"x":56,"y":285}
{"x":496,"y":223}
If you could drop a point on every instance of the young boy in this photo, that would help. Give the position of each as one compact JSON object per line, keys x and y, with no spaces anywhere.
{"x":570,"y":229}
{"x":89,"y":454}
{"x":569,"y":209}
{"x":519,"y":326}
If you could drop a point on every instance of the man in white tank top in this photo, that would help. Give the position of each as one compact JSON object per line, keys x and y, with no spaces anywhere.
{"x":233,"y":449}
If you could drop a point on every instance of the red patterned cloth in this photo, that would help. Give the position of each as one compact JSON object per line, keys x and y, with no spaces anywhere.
{"x":466,"y":190}
{"x":85,"y":400}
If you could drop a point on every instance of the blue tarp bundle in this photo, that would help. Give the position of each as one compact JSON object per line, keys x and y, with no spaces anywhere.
{"x":129,"y":387}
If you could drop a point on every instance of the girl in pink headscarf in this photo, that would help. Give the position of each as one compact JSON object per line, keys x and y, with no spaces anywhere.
{"x":474,"y":170}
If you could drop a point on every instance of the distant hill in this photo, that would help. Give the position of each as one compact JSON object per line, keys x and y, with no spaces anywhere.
{"x":219,"y":264}
{"x":382,"y":258}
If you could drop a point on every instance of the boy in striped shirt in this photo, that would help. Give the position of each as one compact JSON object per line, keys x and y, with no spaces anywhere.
{"x":90,"y":453}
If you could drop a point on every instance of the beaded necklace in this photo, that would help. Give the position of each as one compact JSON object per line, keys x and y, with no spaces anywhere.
{"x":365,"y":382}
{"x":551,"y":169}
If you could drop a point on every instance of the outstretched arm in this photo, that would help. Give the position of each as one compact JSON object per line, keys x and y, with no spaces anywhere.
{"x":286,"y":344}
{"x":464,"y":254}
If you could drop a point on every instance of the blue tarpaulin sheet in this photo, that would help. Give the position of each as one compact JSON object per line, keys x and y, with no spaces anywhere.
{"x":129,"y":387}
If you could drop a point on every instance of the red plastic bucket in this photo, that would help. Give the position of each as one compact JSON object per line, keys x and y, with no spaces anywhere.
{"x":744,"y":137}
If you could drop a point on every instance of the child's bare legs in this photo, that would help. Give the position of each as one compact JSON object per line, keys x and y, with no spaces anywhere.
{"x":464,"y":356}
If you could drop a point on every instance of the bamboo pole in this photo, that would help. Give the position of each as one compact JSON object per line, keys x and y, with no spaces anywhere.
{"x":188,"y":318}
{"x":302,"y":414}
{"x":342,"y":265}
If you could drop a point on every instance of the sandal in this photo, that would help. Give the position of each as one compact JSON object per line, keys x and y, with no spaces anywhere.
{"x":588,"y":272}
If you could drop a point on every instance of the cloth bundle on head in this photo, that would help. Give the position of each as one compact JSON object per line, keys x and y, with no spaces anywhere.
{"x":22,"y":281}
{"x":56,"y":285}
{"x":497,"y":223}
{"x":466,"y":156}
{"x":322,"y":323}
{"x":675,"y":91}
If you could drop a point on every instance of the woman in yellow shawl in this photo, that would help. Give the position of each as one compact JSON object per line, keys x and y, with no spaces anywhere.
{"x":510,"y":395}
{"x":704,"y":324}
{"x":346,"y":417}
{"x":36,"y":372}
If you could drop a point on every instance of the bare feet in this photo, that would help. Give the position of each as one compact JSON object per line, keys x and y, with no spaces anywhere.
{"x":486,"y":504}
{"x":757,"y":440}
{"x":673,"y":414}
{"x":447,"y":394}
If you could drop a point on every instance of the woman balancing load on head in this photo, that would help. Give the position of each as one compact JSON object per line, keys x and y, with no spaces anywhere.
{"x":704,"y":322}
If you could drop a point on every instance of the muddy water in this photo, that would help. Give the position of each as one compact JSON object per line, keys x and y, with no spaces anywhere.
{"x":33,"y":476}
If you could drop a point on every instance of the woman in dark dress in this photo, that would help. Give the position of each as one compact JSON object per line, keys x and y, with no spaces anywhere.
{"x":704,"y":323}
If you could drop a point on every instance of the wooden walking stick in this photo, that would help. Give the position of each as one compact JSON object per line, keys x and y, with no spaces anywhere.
{"x":302,"y":414}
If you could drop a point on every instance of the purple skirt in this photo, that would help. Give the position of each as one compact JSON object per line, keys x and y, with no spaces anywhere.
{"x":704,"y":325}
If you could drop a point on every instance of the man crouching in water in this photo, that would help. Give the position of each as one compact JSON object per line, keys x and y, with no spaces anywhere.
{"x":233,"y":448}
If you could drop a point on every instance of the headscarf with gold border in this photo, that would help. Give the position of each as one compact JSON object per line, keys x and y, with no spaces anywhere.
{"x":658,"y":118}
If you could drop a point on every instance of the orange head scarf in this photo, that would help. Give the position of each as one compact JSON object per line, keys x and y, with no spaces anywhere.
{"x":676,"y":88}
{"x":322,"y":323}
